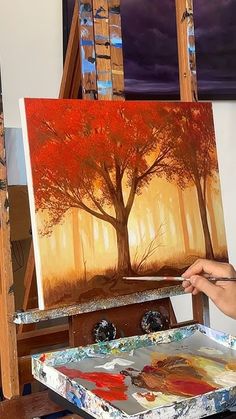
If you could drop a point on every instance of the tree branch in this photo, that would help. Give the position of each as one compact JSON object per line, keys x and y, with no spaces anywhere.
{"x":103,"y":217}
{"x":154,"y":165}
{"x":79,"y":202}
{"x":96,"y":203}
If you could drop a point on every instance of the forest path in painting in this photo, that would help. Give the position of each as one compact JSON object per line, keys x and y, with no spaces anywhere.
{"x":97,"y":169}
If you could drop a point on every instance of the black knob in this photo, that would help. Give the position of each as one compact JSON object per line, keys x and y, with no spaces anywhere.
{"x":153,"y":321}
{"x":104,"y":331}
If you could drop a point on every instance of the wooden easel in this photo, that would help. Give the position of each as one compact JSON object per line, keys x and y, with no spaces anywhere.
{"x":16,"y":371}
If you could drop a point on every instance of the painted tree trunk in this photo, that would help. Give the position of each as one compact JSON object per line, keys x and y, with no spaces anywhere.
{"x":183,"y":222}
{"x":203,"y":214}
{"x":210,"y":206}
{"x":78,"y":263}
{"x":124,"y":262}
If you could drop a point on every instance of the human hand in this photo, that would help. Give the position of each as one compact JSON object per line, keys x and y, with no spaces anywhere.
{"x":222,"y":293}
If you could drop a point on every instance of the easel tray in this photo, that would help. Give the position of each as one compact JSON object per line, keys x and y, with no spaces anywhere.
{"x":189,"y":372}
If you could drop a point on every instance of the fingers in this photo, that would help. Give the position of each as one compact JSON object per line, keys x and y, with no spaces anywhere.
{"x":209,"y":267}
{"x":199,"y":266}
{"x":189,"y":288}
{"x":186,"y":283}
{"x":199,"y":283}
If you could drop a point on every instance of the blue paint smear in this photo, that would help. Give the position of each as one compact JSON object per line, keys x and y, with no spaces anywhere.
{"x":85,"y":8}
{"x":104,"y":92}
{"x":116,"y":42}
{"x":87,"y":66}
{"x":221,"y":400}
{"x":104,"y":87}
{"x":74,"y":399}
{"x":87,"y":42}
{"x":104,"y":84}
{"x":191,"y":49}
{"x":191,"y":31}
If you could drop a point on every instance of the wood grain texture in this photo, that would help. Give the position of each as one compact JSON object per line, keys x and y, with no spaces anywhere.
{"x":87,"y":50}
{"x":127,"y":322}
{"x":198,"y":315}
{"x":29,"y":291}
{"x":117,"y":66}
{"x":9,"y":361}
{"x":102,"y":49}
{"x":28,"y":407}
{"x":71,"y":78}
{"x":38,"y":339}
{"x":186,"y":50}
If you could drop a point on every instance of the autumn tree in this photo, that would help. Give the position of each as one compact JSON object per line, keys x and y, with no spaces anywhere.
{"x":97,"y":156}
{"x":194,"y":156}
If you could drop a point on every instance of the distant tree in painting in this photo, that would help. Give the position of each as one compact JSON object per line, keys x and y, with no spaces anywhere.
{"x":194,"y":156}
{"x":98,"y":156}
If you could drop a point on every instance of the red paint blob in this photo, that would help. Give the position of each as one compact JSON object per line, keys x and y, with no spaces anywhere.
{"x":42,"y":358}
{"x":111,"y":394}
{"x":110,"y":386}
{"x":189,"y":387}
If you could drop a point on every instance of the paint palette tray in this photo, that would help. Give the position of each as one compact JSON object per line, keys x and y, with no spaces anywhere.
{"x":189,"y":372}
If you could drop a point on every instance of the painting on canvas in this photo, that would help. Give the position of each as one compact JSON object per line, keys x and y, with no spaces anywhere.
{"x":119,"y":189}
{"x":150,"y":48}
{"x":151,"y":54}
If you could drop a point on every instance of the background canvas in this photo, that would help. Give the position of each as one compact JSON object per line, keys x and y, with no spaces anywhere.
{"x":150,"y":47}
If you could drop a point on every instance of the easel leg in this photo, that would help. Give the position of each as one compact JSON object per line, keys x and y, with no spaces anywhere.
{"x":29,"y":283}
{"x":197,"y":308}
{"x":8,"y":343}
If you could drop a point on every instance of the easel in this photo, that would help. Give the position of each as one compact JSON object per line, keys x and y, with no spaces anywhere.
{"x":16,"y":371}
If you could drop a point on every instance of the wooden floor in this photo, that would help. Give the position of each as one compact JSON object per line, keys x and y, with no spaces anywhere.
{"x":29,"y":407}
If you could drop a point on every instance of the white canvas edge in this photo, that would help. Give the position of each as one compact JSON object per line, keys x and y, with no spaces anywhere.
{"x":31,"y":203}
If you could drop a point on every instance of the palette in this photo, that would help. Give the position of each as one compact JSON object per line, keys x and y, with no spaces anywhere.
{"x":181,"y":373}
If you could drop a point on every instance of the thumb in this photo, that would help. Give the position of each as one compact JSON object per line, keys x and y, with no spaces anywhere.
{"x":202,"y":284}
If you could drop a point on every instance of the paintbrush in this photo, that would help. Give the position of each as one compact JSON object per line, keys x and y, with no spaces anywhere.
{"x":173,"y":278}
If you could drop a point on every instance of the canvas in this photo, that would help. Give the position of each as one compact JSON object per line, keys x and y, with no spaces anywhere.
{"x":119,"y":189}
{"x":150,"y":48}
{"x":151,"y":54}
{"x":187,"y":373}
